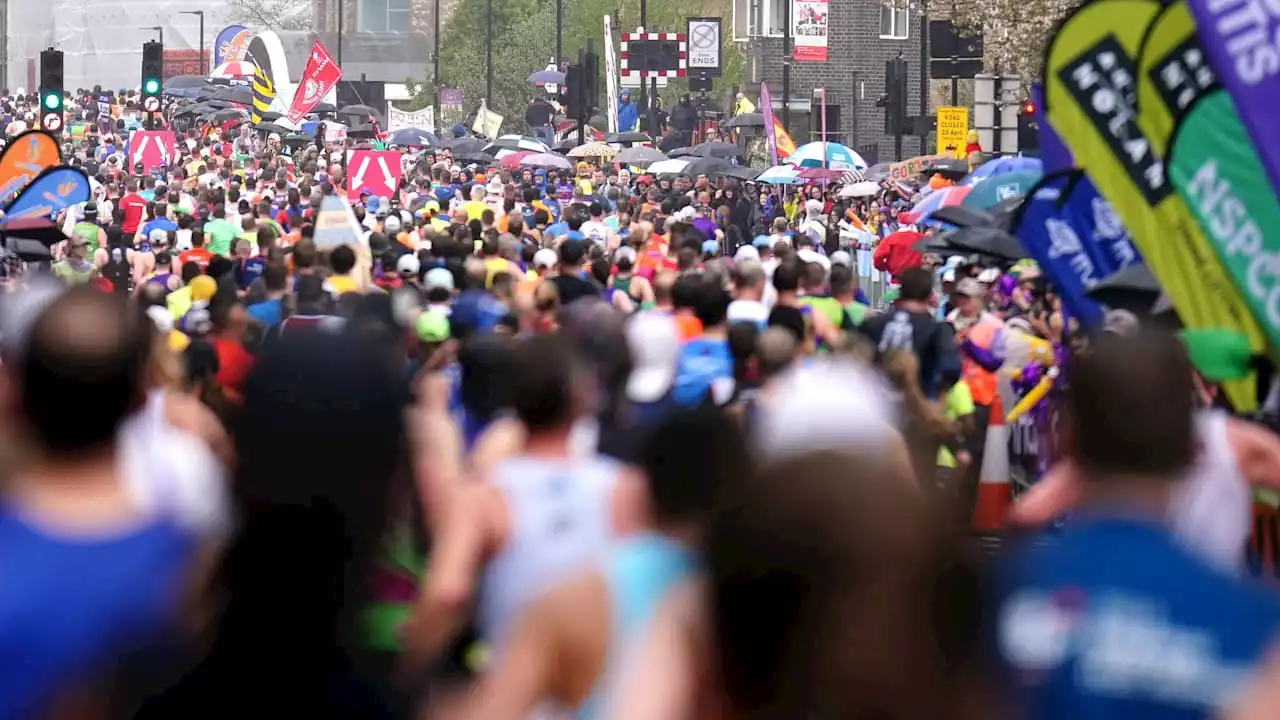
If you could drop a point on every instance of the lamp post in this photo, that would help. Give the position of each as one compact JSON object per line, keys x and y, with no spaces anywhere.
{"x":435,"y":65}
{"x":342,"y":11}
{"x":157,"y":28}
{"x":488,"y":55}
{"x":204,"y":69}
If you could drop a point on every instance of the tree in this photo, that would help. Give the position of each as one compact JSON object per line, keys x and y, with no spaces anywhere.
{"x":1014,"y":32}
{"x":273,"y":14}
{"x":524,"y":42}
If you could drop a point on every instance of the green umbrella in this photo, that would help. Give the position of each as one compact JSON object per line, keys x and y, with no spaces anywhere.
{"x":987,"y":193}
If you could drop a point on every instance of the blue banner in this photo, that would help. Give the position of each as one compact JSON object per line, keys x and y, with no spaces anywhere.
{"x":52,"y":191}
{"x":1053,"y":152}
{"x":230,"y":45}
{"x":1076,"y":238}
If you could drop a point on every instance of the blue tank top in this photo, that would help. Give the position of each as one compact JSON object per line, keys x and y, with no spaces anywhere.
{"x":1113,"y":619}
{"x":639,"y":572}
{"x":70,"y":606}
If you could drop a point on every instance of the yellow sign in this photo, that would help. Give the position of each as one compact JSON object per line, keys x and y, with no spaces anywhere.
{"x":953,"y":125}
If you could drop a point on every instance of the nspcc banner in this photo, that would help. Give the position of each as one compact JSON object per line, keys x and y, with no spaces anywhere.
{"x":1240,"y":39}
{"x":1216,"y":170}
{"x":1090,"y":99}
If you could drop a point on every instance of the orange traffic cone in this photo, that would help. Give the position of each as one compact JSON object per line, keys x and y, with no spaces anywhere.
{"x":995,"y":491}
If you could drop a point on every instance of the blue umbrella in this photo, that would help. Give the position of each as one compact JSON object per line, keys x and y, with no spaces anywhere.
{"x":1002,"y":165}
{"x":413,"y":137}
{"x":833,"y":155}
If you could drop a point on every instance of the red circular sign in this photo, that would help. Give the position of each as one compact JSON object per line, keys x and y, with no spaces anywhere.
{"x":51,"y":122}
{"x":151,"y":104}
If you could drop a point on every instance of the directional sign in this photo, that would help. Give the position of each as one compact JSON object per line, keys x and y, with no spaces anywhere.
{"x":152,"y":148}
{"x":377,"y":171}
{"x":704,"y":46}
{"x":953,"y":125}
{"x":151,"y":104}
{"x":51,"y":122}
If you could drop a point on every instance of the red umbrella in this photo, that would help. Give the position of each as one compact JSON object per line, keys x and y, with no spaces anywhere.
{"x":896,"y":253}
{"x":512,"y":161}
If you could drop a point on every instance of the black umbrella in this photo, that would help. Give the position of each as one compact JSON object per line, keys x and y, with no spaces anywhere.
{"x":962,"y":217}
{"x":717,"y":149}
{"x":681,"y":152}
{"x":186,"y":81}
{"x":269,"y":115}
{"x":742,"y":173}
{"x":564,"y":146}
{"x":876,"y":173}
{"x":465,"y":145}
{"x":323,"y":107}
{"x":1128,"y":288}
{"x":241,"y":95}
{"x":707,"y":166}
{"x":985,"y":241}
{"x":474,"y":156}
{"x":547,"y":77}
{"x":271,"y":127}
{"x":413,"y":137}
{"x":746,"y":120}
{"x":228,"y":115}
{"x":627,"y":137}
{"x":950,"y":169}
{"x":670,"y":143}
{"x":1005,"y":211}
{"x":364,"y":112}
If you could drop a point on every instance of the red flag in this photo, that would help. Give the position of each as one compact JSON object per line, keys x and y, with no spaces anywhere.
{"x":320,"y":76}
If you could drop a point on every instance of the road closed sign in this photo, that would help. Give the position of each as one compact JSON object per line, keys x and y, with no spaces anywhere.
{"x":377,"y":171}
{"x":953,"y":125}
{"x":703,"y":38}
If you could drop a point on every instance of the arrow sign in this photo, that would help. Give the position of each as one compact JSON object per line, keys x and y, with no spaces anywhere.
{"x":379,"y":184}
{"x":152,"y":148}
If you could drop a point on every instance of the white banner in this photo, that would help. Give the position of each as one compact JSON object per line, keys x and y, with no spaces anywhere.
{"x":424,"y":119}
{"x":487,"y":122}
{"x":610,"y":76}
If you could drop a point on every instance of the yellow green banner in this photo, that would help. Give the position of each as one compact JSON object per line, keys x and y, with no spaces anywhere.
{"x":1091,"y":99}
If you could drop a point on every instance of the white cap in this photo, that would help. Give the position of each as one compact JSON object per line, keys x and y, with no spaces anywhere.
{"x":810,"y":256}
{"x":546,"y":257}
{"x":391,"y":224}
{"x":654,"y":342}
{"x":745,"y":253}
{"x":438,"y":278}
{"x":408,"y":265}
{"x":824,"y":406}
{"x":970,"y":288}
{"x":949,"y":276}
{"x":842,"y":257}
{"x":162,"y":318}
{"x":989,"y":275}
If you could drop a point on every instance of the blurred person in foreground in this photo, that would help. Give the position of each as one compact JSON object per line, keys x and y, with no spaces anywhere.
{"x":571,"y":645}
{"x":320,"y":410}
{"x":541,"y":514}
{"x":1117,"y":618}
{"x":90,"y":575}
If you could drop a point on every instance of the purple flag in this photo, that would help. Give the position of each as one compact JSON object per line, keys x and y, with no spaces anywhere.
{"x":1053,"y":152}
{"x":770,"y":139}
{"x":1241,"y":54}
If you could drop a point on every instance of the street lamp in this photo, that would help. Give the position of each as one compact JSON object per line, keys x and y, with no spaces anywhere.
{"x":157,"y":28}
{"x":199,"y":14}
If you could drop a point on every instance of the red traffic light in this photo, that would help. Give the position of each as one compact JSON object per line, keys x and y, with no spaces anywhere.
{"x":1028,"y":108}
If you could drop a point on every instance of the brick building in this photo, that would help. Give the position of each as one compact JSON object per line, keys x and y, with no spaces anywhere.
{"x":861,"y":36}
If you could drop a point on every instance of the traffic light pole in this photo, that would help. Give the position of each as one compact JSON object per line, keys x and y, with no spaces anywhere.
{"x":786,"y":66}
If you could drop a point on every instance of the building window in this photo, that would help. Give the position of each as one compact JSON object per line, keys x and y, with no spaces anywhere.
{"x":384,"y":16}
{"x":767,"y":18}
{"x":894,"y":20}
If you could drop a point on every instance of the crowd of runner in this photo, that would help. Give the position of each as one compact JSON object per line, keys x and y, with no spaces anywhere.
{"x":581,"y":443}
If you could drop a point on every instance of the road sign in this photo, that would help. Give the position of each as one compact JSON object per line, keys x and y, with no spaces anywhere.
{"x":704,"y":46}
{"x":953,"y":125}
{"x":51,"y":122}
{"x":152,"y":148}
{"x":646,"y":55}
{"x":450,"y":97}
{"x":151,"y":104}
{"x":377,"y":171}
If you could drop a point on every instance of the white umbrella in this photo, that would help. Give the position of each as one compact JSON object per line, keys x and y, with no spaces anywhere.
{"x":865,"y":188}
{"x":664,"y":167}
{"x":516,"y":142}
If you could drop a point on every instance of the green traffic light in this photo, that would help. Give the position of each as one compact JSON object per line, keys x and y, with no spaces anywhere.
{"x":52,"y":101}
{"x":151,"y":86}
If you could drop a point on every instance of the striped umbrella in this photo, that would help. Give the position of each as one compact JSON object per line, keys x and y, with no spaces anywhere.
{"x":944,"y":197}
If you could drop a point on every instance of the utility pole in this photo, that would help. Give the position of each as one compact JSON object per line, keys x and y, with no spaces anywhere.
{"x":559,"y":30}
{"x":488,"y":53}
{"x":342,"y":11}
{"x":924,"y":73}
{"x":786,"y":65}
{"x":435,"y":67}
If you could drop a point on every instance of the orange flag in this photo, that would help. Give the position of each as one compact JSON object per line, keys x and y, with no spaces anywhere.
{"x":786,"y":145}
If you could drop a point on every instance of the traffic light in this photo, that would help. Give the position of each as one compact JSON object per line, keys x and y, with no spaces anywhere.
{"x":590,"y":83}
{"x":152,"y":69}
{"x":573,"y":97}
{"x":1028,"y":128}
{"x":894,"y":100}
{"x":1028,"y":108}
{"x":51,"y":97}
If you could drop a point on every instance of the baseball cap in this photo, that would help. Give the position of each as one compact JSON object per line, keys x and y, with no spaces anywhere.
{"x":408,"y":265}
{"x":624,"y":253}
{"x":745,"y":253}
{"x":158,"y":236}
{"x":989,"y":275}
{"x":710,"y":247}
{"x":432,"y":326}
{"x":825,"y":406}
{"x":545,"y":258}
{"x":202,"y":288}
{"x":438,"y":278}
{"x":391,"y":224}
{"x":842,"y":257}
{"x":807,"y":256}
{"x":970,"y":288}
{"x":654,"y":342}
